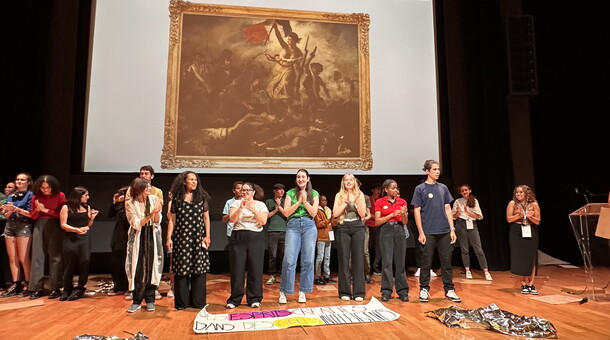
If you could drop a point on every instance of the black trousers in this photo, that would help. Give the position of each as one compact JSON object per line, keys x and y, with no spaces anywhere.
{"x":76,"y":253}
{"x":47,"y":244}
{"x":189,"y":291}
{"x":275,"y":250}
{"x":393,"y":241}
{"x":350,"y":241}
{"x":374,"y":245}
{"x":148,"y":294}
{"x":442,"y":242}
{"x":246,"y":252}
{"x":117,"y":269}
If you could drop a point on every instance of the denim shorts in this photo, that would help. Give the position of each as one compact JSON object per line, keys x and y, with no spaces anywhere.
{"x":17,"y":229}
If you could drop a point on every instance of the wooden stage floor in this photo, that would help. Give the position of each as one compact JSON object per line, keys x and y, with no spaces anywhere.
{"x":104,"y":315}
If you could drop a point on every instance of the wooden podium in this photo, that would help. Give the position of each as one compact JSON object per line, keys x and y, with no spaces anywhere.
{"x":595,"y":250}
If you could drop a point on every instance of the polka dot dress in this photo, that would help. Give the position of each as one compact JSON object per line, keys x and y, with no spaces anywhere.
{"x":189,"y":256}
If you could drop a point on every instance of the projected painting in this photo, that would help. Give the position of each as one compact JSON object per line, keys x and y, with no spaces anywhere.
{"x":266,"y":88}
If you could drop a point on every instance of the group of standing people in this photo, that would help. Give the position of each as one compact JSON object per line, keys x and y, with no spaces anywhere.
{"x":43,"y":225}
{"x":44,"y":228}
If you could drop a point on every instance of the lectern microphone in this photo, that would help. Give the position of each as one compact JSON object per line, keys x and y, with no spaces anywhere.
{"x":582,"y":194}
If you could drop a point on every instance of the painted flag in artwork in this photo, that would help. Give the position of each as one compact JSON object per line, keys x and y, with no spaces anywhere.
{"x":374,"y":311}
{"x":258,"y":33}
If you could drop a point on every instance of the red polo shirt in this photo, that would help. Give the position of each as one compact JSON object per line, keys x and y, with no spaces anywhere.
{"x":386,"y":207}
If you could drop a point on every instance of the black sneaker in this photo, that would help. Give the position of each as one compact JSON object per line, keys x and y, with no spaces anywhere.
{"x":37,"y":294}
{"x":385,"y":297}
{"x":319,"y":282}
{"x":12,"y":291}
{"x":525,"y":289}
{"x":404,"y":298}
{"x":329,"y":280}
{"x":533,"y":290}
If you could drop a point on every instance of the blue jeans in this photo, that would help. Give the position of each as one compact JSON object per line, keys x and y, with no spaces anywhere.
{"x":301,"y":236}
{"x":323,"y":254}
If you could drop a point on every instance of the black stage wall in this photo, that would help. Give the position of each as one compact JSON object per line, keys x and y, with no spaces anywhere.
{"x":554,"y":141}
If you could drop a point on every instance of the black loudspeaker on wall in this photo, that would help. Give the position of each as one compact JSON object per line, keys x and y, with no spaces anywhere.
{"x":523,"y":79}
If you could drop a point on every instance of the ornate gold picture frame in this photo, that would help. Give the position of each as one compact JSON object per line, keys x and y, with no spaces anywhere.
{"x":266,"y":89}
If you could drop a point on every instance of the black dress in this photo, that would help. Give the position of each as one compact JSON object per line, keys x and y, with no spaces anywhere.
{"x":522,"y":250}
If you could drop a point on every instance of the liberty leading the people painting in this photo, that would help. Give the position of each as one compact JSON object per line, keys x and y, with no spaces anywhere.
{"x":266,"y":88}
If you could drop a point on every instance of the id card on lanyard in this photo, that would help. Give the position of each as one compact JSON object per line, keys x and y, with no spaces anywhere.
{"x":469,"y":224}
{"x":526,"y":229}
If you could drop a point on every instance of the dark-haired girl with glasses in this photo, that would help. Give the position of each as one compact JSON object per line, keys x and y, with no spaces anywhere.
{"x":247,"y":246}
{"x":76,"y":217}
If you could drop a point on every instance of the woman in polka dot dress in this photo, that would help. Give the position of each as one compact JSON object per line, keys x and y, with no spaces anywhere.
{"x":188,"y":237}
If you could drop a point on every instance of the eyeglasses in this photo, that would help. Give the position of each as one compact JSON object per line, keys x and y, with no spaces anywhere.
{"x":246,"y":190}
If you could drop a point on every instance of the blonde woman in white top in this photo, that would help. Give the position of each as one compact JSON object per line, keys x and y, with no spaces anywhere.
{"x":247,"y":246}
{"x":466,"y":213}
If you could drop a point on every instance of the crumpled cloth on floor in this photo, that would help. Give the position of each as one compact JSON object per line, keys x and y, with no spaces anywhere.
{"x":495,"y":319}
{"x":138,"y":336}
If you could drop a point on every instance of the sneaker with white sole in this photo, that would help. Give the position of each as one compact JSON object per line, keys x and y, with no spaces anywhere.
{"x":468,"y":274}
{"x":255,"y":304}
{"x":432,"y":273}
{"x":230,"y":306}
{"x":157,"y":295}
{"x":416,"y":272}
{"x":302,"y":298}
{"x":134,"y":308}
{"x":170,"y":294}
{"x":424,"y":296}
{"x":345,"y":298}
{"x":358,"y":299}
{"x":525,"y":289}
{"x":129,"y":296}
{"x":282,"y":298}
{"x":271,"y":280}
{"x":533,"y":290}
{"x":451,"y":295}
{"x":488,"y":276}
{"x":150,"y":307}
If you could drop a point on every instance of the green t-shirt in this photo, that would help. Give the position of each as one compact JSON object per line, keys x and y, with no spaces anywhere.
{"x":301,"y":210}
{"x":277,"y":222}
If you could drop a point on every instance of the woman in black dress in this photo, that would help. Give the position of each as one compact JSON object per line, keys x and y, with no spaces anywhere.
{"x":188,"y":237}
{"x":76,"y":217}
{"x":523,"y":214}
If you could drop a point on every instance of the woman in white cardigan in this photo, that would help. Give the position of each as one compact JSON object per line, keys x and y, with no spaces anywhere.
{"x":144,"y":264}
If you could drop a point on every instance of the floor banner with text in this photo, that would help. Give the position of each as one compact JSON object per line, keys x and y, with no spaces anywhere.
{"x":374,"y":311}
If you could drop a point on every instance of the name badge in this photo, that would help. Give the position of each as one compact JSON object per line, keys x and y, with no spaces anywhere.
{"x":331,"y":235}
{"x":526,"y":231}
{"x":469,"y":224}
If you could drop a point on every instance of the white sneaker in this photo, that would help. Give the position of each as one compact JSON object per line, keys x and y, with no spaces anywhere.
{"x":170,"y":294}
{"x":282,"y":298}
{"x":432,"y":273}
{"x":157,"y":295}
{"x":416,"y":272}
{"x":345,"y":298}
{"x":468,"y":274}
{"x":255,"y":304}
{"x":451,"y":295}
{"x":271,"y":280}
{"x":488,"y":276}
{"x":230,"y":306}
{"x":129,"y":296}
{"x":358,"y":299}
{"x":302,"y":298}
{"x":424,"y":296}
